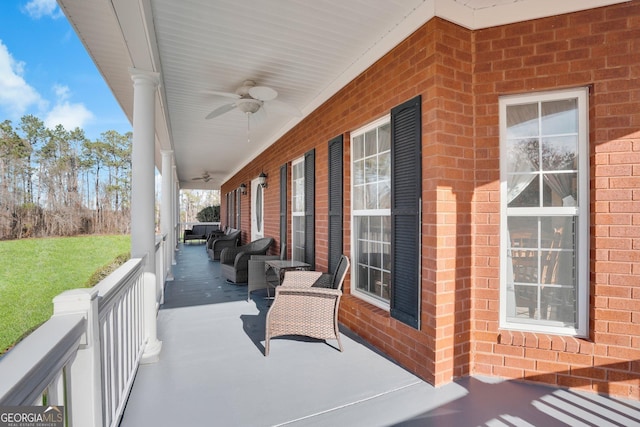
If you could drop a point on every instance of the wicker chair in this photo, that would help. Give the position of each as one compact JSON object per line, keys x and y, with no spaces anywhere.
{"x":307,"y":304}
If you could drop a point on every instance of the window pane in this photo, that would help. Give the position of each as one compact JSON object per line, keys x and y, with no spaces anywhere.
{"x":560,"y":153}
{"x":370,"y":143}
{"x":559,"y":304}
{"x":373,"y":253}
{"x":522,"y":120}
{"x":384,"y":166}
{"x":386,"y":280}
{"x":523,"y":155}
{"x":560,"y":189}
{"x":371,"y":170}
{"x":298,"y":238}
{"x":384,"y":138}
{"x":358,"y":198}
{"x":529,"y":196}
{"x":358,"y":147}
{"x":384,"y":188}
{"x":543,"y":274}
{"x":525,"y":303}
{"x":559,"y":117}
{"x":523,"y":187}
{"x":358,"y":172}
{"x":372,"y":196}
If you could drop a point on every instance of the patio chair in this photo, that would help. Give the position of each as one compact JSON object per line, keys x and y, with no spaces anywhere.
{"x":215,"y":245}
{"x":307,"y":304}
{"x":234,"y":262}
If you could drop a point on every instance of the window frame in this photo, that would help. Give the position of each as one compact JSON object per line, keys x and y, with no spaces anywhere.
{"x":300,"y":213}
{"x":580,"y":212}
{"x":378,"y":302}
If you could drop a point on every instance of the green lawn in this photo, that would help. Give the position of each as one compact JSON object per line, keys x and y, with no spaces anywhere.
{"x":33,"y":271}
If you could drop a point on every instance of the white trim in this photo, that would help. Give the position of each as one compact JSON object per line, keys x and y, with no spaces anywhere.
{"x":257,"y":230}
{"x":581,"y":213}
{"x":385,"y":305}
{"x":296,"y":214}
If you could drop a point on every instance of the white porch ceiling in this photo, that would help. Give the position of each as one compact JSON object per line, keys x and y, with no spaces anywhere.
{"x":306,"y":50}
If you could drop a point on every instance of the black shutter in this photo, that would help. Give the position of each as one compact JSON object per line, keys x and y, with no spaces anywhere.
{"x":310,"y":208}
{"x":406,"y":191}
{"x":335,"y":201}
{"x":283,"y":206}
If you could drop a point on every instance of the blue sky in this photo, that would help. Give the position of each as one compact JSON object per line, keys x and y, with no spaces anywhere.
{"x":45,"y":71}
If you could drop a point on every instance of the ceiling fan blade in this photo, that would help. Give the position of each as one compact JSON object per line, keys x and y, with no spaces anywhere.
{"x":263,"y":93}
{"x":220,"y":111}
{"x":225,"y":94}
{"x":280,"y":107}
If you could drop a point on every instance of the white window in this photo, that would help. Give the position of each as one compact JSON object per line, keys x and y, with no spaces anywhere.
{"x":544,"y":235}
{"x":297,"y":210}
{"x":371,"y":211}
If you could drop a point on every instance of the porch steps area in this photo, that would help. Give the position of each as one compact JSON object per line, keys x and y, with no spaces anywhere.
{"x":213,"y":372}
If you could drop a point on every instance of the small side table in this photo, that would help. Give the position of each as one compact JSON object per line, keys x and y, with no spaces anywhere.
{"x":279,"y":267}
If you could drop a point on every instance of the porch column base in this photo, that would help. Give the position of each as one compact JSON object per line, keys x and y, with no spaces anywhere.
{"x":151,"y":352}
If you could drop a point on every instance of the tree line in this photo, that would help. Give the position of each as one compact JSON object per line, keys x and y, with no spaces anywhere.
{"x":56,"y":182}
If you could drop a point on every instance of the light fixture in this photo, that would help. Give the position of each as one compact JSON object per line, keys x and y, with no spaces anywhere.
{"x":248,"y":106}
{"x":243,"y":188}
{"x":262,"y":180}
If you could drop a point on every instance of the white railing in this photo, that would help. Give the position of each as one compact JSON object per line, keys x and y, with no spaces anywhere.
{"x":86,"y":355}
{"x":39,"y":366}
{"x":121,"y":324}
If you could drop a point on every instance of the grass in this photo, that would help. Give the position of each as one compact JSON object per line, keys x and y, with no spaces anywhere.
{"x":33,"y":271}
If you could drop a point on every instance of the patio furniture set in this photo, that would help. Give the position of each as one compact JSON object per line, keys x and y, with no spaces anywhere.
{"x":305,"y":303}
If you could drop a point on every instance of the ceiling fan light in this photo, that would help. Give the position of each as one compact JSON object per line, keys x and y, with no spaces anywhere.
{"x":248,"y":105}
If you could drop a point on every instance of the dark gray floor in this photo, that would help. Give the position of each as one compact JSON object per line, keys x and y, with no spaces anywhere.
{"x":197,"y":281}
{"x":213,"y":372}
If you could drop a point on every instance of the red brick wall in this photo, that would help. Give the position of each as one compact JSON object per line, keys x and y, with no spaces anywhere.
{"x":599,"y":48}
{"x":460,"y":74}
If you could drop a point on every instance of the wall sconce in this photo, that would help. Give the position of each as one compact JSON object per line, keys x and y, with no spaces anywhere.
{"x":243,"y":188}
{"x":262,"y":180}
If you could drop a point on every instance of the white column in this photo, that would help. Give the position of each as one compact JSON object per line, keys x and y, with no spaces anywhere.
{"x":145,"y":84}
{"x":167,"y":209}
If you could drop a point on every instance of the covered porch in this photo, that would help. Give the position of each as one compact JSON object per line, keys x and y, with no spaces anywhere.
{"x":200,"y":357}
{"x":212,"y":371}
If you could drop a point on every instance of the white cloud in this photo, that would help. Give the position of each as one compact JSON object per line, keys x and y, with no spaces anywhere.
{"x":16,"y":95}
{"x":36,"y":9}
{"x":61,"y":91}
{"x":18,"y":98}
{"x":68,"y":115}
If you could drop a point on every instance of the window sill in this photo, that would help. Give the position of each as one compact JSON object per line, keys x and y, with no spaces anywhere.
{"x":544,"y":341}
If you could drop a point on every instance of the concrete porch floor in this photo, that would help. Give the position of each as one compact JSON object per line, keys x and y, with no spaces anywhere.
{"x":213,"y":372}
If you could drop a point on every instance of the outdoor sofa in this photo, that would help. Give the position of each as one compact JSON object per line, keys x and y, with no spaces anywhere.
{"x":199,"y":232}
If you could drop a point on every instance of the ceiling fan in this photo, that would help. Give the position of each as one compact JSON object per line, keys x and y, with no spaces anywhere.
{"x":205,"y":177}
{"x":250,"y":99}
